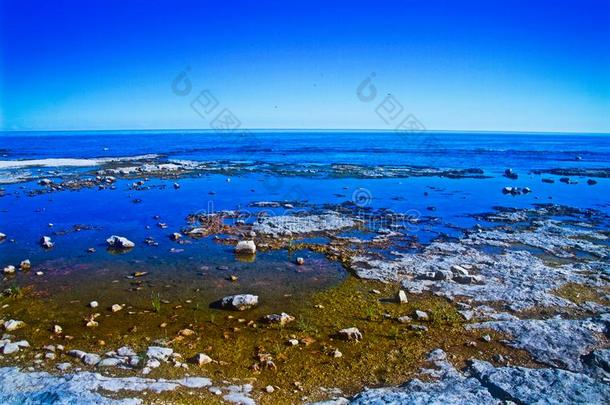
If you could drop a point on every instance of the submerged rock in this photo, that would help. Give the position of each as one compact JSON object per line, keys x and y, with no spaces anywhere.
{"x":239,"y":302}
{"x":25,"y":265}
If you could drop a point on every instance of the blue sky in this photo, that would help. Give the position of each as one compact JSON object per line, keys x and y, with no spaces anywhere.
{"x":454,"y":65}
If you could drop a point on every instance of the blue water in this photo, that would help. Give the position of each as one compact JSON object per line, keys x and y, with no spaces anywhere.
{"x":25,"y":218}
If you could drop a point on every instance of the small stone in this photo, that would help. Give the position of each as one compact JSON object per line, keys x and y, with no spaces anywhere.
{"x":377,"y":292}
{"x":12,"y":325}
{"x":91,"y":250}
{"x":10,"y":348}
{"x":110,"y":362}
{"x":421,"y":315}
{"x":404,"y":319}
{"x":281,"y":319}
{"x":63,"y":366}
{"x":91,"y":359}
{"x":336,"y":353}
{"x":176,"y":186}
{"x":419,"y":328}
{"x":401,"y":297}
{"x":186,"y":332}
{"x":459,"y":270}
{"x":57,"y":329}
{"x":293,"y":342}
{"x":245,"y":247}
{"x":93,"y":304}
{"x":125,"y":351}
{"x":25,"y":265}
{"x":116,"y":308}
{"x":201,"y":359}
{"x":175,"y":236}
{"x":92,"y":324}
{"x":232,"y":278}
{"x":269,"y":389}
{"x":300,"y":261}
{"x":46,"y":242}
{"x":39,"y":273}
{"x":487,"y":338}
{"x":10,"y":269}
{"x":350,"y":334}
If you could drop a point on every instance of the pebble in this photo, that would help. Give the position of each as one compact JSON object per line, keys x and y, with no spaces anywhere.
{"x":10,"y":348}
{"x":46,"y":242}
{"x":25,"y":265}
{"x":419,"y":328}
{"x":269,"y":389}
{"x":10,"y":269}
{"x":421,"y":315}
{"x":93,"y":304}
{"x":336,"y":354}
{"x":57,"y":329}
{"x":293,"y":342}
{"x":63,"y":366}
{"x":404,"y":319}
{"x":487,"y":338}
{"x":300,"y":261}
{"x":116,"y":308}
{"x":201,"y":359}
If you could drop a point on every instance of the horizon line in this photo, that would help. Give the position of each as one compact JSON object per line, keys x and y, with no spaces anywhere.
{"x":237,"y":131}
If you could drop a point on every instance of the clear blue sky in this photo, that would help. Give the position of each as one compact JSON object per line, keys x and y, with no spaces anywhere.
{"x":481,"y":65}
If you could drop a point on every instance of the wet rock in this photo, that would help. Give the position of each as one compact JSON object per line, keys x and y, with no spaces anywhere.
{"x":12,"y":325}
{"x":591,"y":182}
{"x":175,"y":236}
{"x":280,"y":319}
{"x":10,"y":269}
{"x":300,"y":261}
{"x":25,"y":265}
{"x":239,"y":302}
{"x":350,"y":334}
{"x":116,"y":308}
{"x":45,"y":182}
{"x":510,"y":174}
{"x":2,"y":236}
{"x":289,"y":224}
{"x":245,"y":247}
{"x":46,"y":242}
{"x":119,"y":243}
{"x":200,"y":359}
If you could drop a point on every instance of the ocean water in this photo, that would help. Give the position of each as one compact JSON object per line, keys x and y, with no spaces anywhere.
{"x":443,"y":206}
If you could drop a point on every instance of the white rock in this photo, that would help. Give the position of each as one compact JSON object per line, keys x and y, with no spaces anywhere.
{"x":126,"y":351}
{"x":93,"y":304}
{"x":116,"y":308}
{"x":200,"y":359}
{"x":10,"y":269}
{"x":239,"y":302}
{"x":350,"y":334}
{"x":25,"y":265}
{"x":245,"y":247}
{"x":10,"y":348}
{"x":63,"y":366}
{"x":119,"y":242}
{"x":159,"y":353}
{"x":46,"y":242}
{"x":281,"y":319}
{"x":12,"y":325}
{"x":421,"y":315}
{"x":401,"y":297}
